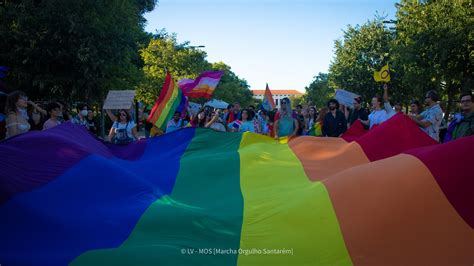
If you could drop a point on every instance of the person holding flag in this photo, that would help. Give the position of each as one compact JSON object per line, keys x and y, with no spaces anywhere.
{"x":382,"y":110}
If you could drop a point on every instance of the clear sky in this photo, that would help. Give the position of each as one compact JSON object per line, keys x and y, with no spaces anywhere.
{"x":282,"y":42}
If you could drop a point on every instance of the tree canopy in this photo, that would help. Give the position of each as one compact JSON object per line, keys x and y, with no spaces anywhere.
{"x":79,"y":50}
{"x":428,"y":46}
{"x":318,"y":92}
{"x":73,"y":49}
{"x":231,"y":88}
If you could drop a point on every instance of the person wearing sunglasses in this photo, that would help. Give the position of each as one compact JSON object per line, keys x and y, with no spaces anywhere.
{"x":124,"y":130}
{"x":286,"y":125}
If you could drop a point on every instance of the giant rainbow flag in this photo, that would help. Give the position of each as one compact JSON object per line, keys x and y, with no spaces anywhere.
{"x":170,"y":100}
{"x":203,"y":86}
{"x":201,"y":197}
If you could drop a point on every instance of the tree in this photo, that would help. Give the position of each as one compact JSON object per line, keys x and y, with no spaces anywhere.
{"x":162,"y":54}
{"x":231,"y":88}
{"x":72,"y":49}
{"x":319,"y":92}
{"x":434,"y":46}
{"x":363,"y":50}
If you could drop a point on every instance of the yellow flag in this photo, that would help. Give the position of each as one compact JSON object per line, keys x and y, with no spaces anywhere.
{"x":383,"y":75}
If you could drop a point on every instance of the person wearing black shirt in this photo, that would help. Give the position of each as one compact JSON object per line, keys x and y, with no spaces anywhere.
{"x":300,"y":118}
{"x":358,"y":113}
{"x":91,"y":122}
{"x":335,"y":123}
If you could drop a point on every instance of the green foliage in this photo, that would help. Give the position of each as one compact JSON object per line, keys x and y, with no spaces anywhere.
{"x":319,"y":92}
{"x":430,"y":47}
{"x":74,"y":50}
{"x":231,"y":88}
{"x":183,"y":61}
{"x":434,"y":46}
{"x":296,"y":100}
{"x":257,"y":102}
{"x":364,"y":49}
{"x":162,"y":54}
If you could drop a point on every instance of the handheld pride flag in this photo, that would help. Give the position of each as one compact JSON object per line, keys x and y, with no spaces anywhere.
{"x":171,"y":99}
{"x":203,"y":86}
{"x":383,"y":75}
{"x":235,"y":124}
{"x":268,"y":102}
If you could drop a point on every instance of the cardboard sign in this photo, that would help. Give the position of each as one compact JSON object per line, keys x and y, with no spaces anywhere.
{"x":119,"y":100}
{"x":345,"y":97}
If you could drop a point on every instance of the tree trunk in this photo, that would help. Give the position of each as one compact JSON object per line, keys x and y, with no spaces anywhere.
{"x":451,"y":90}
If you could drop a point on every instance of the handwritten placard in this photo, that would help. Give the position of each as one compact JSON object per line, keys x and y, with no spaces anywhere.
{"x":345,"y":97}
{"x":119,"y":100}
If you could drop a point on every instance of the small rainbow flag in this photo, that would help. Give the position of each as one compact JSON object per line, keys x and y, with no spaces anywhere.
{"x":203,"y":86}
{"x":171,"y":99}
{"x":268,"y":102}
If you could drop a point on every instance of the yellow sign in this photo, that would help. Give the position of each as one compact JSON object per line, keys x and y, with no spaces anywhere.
{"x":383,"y":75}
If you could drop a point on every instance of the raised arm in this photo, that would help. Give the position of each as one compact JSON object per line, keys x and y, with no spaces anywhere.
{"x":385,"y":92}
{"x":41,"y":110}
{"x":111,"y":115}
{"x":213,"y":119}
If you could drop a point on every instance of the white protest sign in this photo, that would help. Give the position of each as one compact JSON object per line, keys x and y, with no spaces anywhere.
{"x":345,"y":97}
{"x":119,"y":100}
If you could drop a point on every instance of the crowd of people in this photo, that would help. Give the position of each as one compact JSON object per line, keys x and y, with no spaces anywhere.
{"x":334,"y":119}
{"x":22,"y":115}
{"x":19,"y":115}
